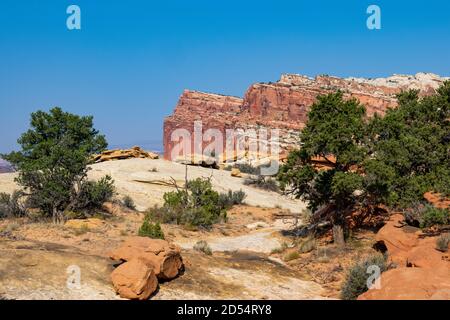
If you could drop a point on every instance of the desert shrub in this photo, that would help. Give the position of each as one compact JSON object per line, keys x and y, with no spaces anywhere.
{"x":196,"y":205}
{"x":203,"y":246}
{"x":128,"y":202}
{"x":93,"y":194}
{"x":413,"y":215}
{"x":81,"y":230}
{"x":261,"y":182}
{"x":442,"y":242}
{"x":150,"y":229}
{"x":227,"y":200}
{"x":280,"y":249}
{"x":307,"y":245}
{"x":355,"y":282}
{"x":433,"y":216}
{"x":245,"y":168}
{"x":292,"y":255}
{"x":11,"y":206}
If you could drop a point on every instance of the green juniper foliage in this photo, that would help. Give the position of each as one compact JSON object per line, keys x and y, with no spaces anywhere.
{"x":335,"y":128}
{"x":411,"y":147}
{"x":390,"y":160}
{"x":432,"y":216}
{"x":54,"y":159}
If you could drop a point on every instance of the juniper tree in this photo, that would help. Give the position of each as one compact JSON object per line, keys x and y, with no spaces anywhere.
{"x":54,"y":158}
{"x":335,"y":131}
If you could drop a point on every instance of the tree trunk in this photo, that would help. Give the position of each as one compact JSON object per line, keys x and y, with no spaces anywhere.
{"x":54,"y":216}
{"x":338,"y":235}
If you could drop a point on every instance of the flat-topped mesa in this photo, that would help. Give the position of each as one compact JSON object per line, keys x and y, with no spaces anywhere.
{"x":285,"y":104}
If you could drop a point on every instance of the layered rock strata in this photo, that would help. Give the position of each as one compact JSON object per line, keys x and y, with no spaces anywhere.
{"x":282,"y":105}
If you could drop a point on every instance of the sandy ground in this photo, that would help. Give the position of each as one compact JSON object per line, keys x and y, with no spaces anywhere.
{"x":34,"y":256}
{"x":134,"y":177}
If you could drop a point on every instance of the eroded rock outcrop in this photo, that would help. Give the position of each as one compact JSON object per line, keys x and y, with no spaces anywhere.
{"x":421,"y":272}
{"x":117,"y":154}
{"x":411,"y":284}
{"x":145,"y":261}
{"x":283,"y":105}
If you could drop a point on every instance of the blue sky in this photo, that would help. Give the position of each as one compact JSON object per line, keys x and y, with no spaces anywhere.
{"x":131,"y":60}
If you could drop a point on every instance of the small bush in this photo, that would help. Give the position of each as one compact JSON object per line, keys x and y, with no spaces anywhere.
{"x":227,"y":200}
{"x":433,"y":216}
{"x":128,"y":202}
{"x":10,"y":205}
{"x":262,"y":182}
{"x":244,"y":168}
{"x":82,"y":230}
{"x":197,"y":205}
{"x":307,"y":245}
{"x":291,"y":256}
{"x":425,"y":216}
{"x":281,"y":249}
{"x":413,"y":215}
{"x":203,"y":246}
{"x":93,"y":194}
{"x":355,"y":283}
{"x":151,"y":230}
{"x":442,"y":242}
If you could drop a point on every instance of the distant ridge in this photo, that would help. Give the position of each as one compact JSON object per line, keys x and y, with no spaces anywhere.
{"x":5,"y":167}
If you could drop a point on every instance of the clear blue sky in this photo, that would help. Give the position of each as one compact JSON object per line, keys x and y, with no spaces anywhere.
{"x":131,"y":60}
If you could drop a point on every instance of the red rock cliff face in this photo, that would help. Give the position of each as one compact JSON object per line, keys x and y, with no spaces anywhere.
{"x":284,"y":104}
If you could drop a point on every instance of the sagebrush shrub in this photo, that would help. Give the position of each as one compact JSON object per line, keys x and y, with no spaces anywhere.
{"x":307,"y":245}
{"x":203,"y":246}
{"x":128,"y":202}
{"x":11,"y":206}
{"x":291,"y":256}
{"x":442,"y":242}
{"x":232,"y":198}
{"x":262,"y":182}
{"x":247,"y":168}
{"x":355,"y":282}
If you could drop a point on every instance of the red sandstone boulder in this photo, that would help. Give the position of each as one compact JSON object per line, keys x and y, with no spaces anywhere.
{"x":397,"y":241}
{"x":411,"y":283}
{"x":134,"y":279}
{"x":422,"y":271}
{"x":165,"y":258}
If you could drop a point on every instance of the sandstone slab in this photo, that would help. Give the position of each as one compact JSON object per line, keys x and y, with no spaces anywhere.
{"x":411,"y":283}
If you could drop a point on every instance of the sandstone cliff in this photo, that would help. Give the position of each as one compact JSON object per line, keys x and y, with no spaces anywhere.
{"x":285,"y":104}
